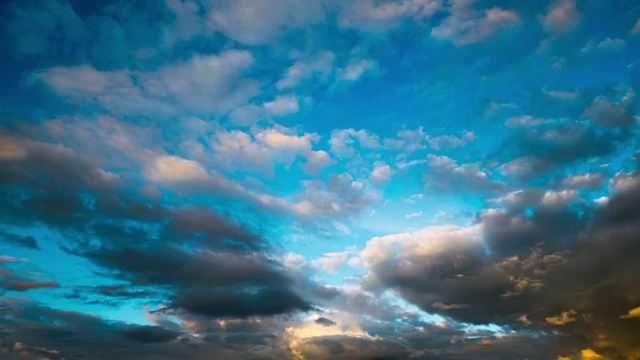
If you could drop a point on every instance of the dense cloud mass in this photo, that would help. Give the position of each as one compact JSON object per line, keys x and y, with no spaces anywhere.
{"x":308,"y":180}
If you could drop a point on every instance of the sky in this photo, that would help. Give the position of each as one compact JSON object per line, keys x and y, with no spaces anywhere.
{"x":319,"y":179}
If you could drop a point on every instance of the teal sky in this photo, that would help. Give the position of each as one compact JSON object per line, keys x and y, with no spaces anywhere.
{"x":289,"y":179}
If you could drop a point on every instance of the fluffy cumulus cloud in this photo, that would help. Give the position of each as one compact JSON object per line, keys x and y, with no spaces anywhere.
{"x":288,"y":179}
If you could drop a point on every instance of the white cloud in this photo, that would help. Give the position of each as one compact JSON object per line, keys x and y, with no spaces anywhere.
{"x":175,"y":169}
{"x":429,"y":242}
{"x":413,"y":197}
{"x":316,"y":161}
{"x":370,"y":15}
{"x":282,"y":105}
{"x":450,"y":141}
{"x":558,"y":198}
{"x":356,"y":68}
{"x":339,"y":195}
{"x":445,"y":173}
{"x":381,"y":172}
{"x":331,"y":262}
{"x":203,"y":83}
{"x":412,"y":215}
{"x":524,"y":121}
{"x":466,"y":25}
{"x":254,"y":22}
{"x":303,"y":69}
{"x":607,"y":44}
{"x":342,"y":141}
{"x":590,"y":180}
{"x":562,"y":17}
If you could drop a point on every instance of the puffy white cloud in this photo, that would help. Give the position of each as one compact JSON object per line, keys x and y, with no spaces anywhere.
{"x":175,"y":169}
{"x":381,"y":172}
{"x":562,"y":17}
{"x":316,"y":161}
{"x":331,"y":262}
{"x":260,"y":149}
{"x":429,"y":242}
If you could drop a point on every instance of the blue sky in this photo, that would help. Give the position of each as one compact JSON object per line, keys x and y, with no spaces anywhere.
{"x":290,"y":179}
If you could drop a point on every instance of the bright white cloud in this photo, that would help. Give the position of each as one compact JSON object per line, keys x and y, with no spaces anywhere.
{"x":175,"y":169}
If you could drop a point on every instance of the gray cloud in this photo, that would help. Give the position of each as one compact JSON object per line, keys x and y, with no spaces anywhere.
{"x":196,"y":253}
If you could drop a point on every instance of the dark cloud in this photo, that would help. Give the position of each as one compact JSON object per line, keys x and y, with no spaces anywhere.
{"x":548,"y":263}
{"x":28,"y":242}
{"x":324,"y":321}
{"x":605,"y":124}
{"x":209,"y":263}
{"x":241,"y":302}
{"x":13,"y":281}
{"x":148,"y":334}
{"x":346,"y":347}
{"x":31,"y":331}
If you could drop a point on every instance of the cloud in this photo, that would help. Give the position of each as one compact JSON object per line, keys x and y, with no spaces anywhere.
{"x":341,"y":141}
{"x":562,"y":319}
{"x":340,"y":195}
{"x":607,"y":44}
{"x":203,"y":83}
{"x":255,"y":22}
{"x":195,"y":254}
{"x":633,"y":313}
{"x":374,"y":16}
{"x":536,"y":151}
{"x":282,"y":105}
{"x":324,"y":321}
{"x":635,"y":30}
{"x":590,"y":181}
{"x":28,"y":242}
{"x":562,"y":17}
{"x":262,"y":148}
{"x":319,"y":65}
{"x":609,"y":113}
{"x":450,"y":141}
{"x":356,"y":68}
{"x":524,"y":121}
{"x":467,"y":25}
{"x":175,"y":169}
{"x":443,"y":173}
{"x":331,"y":262}
{"x":12,"y":281}
{"x":381,"y":172}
